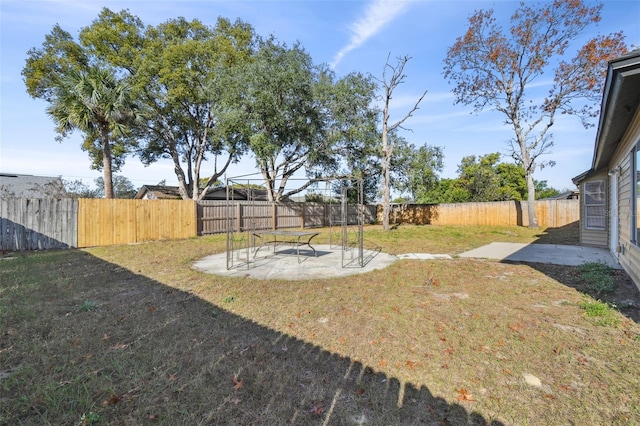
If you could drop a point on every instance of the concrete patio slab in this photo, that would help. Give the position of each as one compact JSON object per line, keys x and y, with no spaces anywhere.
{"x":287,"y":265}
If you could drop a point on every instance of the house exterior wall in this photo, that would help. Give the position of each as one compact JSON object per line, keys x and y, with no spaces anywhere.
{"x":592,"y":237}
{"x":628,"y":253}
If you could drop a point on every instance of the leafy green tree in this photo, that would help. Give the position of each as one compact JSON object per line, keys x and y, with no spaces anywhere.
{"x":447,"y":191}
{"x":185,"y":73}
{"x":353,"y":131}
{"x":99,"y":105}
{"x":181,"y":74}
{"x":416,"y":170}
{"x":78,"y":189}
{"x":497,"y":69}
{"x":122,"y":187}
{"x":303,"y":119}
{"x":543,"y":190}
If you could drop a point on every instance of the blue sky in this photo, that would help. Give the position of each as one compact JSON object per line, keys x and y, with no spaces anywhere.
{"x":350,"y":35}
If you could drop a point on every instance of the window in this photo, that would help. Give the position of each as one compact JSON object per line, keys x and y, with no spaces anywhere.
{"x":635,"y":194}
{"x":595,"y":204}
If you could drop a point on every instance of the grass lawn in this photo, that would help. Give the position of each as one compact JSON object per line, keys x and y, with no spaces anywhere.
{"x":132,"y":335}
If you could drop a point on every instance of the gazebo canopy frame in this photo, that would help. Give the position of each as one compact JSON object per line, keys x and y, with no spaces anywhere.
{"x":342,"y":199}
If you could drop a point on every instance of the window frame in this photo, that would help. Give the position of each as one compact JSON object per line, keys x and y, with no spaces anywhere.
{"x":591,"y":203}
{"x":634,"y":179}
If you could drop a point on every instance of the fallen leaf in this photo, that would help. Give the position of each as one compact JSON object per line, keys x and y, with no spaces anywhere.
{"x":237,"y":384}
{"x":113,"y":400}
{"x":383,"y":363}
{"x":464,"y":395}
{"x":105,"y":336}
{"x":173,"y":377}
{"x":151,"y":309}
{"x":359,"y":391}
{"x":410,"y":364}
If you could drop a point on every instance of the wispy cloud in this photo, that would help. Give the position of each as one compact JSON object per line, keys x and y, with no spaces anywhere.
{"x":376,"y":16}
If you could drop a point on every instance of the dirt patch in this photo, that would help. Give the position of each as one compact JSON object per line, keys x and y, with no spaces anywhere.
{"x":625,"y":298}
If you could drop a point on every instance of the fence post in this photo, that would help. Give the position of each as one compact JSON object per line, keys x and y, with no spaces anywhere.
{"x":239,"y":216}
{"x":274,"y":216}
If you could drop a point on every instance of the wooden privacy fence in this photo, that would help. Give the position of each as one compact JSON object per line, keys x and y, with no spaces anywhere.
{"x":104,"y":222}
{"x":550,"y":213}
{"x":38,"y":224}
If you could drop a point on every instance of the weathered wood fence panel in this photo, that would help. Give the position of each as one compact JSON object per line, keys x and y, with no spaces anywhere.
{"x":550,"y":213}
{"x":105,"y":222}
{"x":216,"y":217}
{"x":38,"y":224}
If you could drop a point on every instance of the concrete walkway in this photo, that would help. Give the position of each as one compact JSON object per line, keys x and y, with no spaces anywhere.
{"x":543,"y":253}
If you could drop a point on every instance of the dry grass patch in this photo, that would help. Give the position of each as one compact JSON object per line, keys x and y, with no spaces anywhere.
{"x":133,"y":335}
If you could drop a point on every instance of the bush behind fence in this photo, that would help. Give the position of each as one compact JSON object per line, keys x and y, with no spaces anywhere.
{"x":40,"y":224}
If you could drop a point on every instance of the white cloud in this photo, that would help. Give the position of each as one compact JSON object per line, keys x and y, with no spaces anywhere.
{"x":376,"y":16}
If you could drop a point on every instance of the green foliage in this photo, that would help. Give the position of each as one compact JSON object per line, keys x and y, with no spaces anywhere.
{"x":484,"y":178}
{"x":122,"y":188}
{"x":88,"y":306}
{"x":303,"y":118}
{"x":89,"y":418}
{"x":180,"y":76}
{"x":78,"y":189}
{"x":543,"y":190}
{"x":597,"y":277}
{"x":415,"y":169}
{"x":93,"y":101}
{"x":600,"y":312}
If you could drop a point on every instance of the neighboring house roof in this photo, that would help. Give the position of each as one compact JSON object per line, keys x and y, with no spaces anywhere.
{"x":28,"y":186}
{"x":567,"y":195}
{"x":620,"y":100}
{"x":163,"y":192}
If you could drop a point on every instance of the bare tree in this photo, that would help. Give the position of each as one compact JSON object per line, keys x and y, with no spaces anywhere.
{"x":392,"y":77}
{"x":497,"y":69}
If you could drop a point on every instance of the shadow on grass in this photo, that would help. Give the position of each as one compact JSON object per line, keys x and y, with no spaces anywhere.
{"x":625,"y":298}
{"x":565,"y":235}
{"x":85,"y":341}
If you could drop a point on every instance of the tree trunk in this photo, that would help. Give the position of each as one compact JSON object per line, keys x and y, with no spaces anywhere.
{"x":386,"y":190}
{"x":531,"y":200}
{"x":106,"y":164}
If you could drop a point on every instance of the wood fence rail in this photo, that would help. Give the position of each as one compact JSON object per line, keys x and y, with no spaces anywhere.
{"x":27,"y":224}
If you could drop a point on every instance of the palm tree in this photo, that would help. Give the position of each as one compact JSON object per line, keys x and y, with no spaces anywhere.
{"x":99,"y":105}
